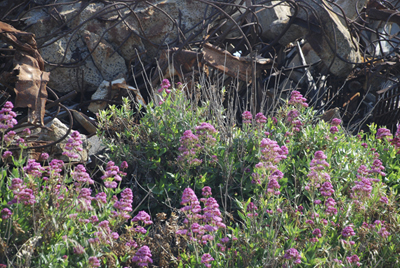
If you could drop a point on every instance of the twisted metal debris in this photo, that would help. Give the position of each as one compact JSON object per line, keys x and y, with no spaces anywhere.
{"x":342,"y":54}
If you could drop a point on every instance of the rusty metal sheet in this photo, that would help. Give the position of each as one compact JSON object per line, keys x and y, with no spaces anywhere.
{"x":113,"y":91}
{"x":31,"y":82}
{"x":241,"y":67}
{"x":84,"y":121}
{"x":387,"y":110}
{"x":175,"y":62}
{"x":31,"y":87}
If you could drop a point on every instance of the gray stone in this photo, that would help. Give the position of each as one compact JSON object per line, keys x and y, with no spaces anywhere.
{"x":66,"y":79}
{"x":56,"y":130}
{"x":107,"y":61}
{"x":96,"y":145}
{"x":274,"y":20}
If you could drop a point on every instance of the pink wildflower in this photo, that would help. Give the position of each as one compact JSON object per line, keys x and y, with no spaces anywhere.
{"x":73,"y":145}
{"x":293,"y":254}
{"x":143,"y":256}
{"x":260,"y":118}
{"x":296,"y":98}
{"x":247,"y":117}
{"x":94,"y":262}
{"x":5,"y":213}
{"x":348,"y":231}
{"x":7,"y":117}
{"x":206,"y":259}
{"x":142,"y":216}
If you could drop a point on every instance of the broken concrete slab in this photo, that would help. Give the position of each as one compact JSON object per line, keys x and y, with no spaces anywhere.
{"x":334,"y":44}
{"x":66,"y":79}
{"x":56,"y":130}
{"x":325,"y":38}
{"x":107,"y":61}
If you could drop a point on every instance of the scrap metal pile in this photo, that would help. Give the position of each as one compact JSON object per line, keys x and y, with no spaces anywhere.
{"x":342,"y":54}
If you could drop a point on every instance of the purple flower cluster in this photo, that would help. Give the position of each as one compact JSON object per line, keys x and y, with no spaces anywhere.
{"x":383,"y":232}
{"x":73,"y":144}
{"x":396,"y":140}
{"x":7,"y":117}
{"x":94,"y":262}
{"x":81,"y":176}
{"x":317,"y":232}
{"x":101,"y":198}
{"x":10,"y":137}
{"x":192,"y":144}
{"x":354,"y":259}
{"x":326,"y":189}
{"x":79,"y":250}
{"x":318,"y":177}
{"x":335,"y":123}
{"x":251,"y":208}
{"x":363,"y":187}
{"x":103,"y":235}
{"x":131,"y":244}
{"x":5,"y":213}
{"x":6,"y":154}
{"x":189,"y":149}
{"x":293,"y":254}
{"x":44,"y":156}
{"x":348,"y":231}
{"x":112,"y":175}
{"x":260,"y":118}
{"x":143,"y":257}
{"x":383,"y":133}
{"x":330,"y":204}
{"x":377,"y":168}
{"x":296,"y":125}
{"x":124,"y":205}
{"x":34,"y":168}
{"x":247,"y":117}
{"x":200,"y":227}
{"x":297,"y":99}
{"x":271,"y":154}
{"x":21,"y":193}
{"x":85,"y":199}
{"x":144,"y":217}
{"x":292,"y":115}
{"x":165,"y":85}
{"x":206,"y":259}
{"x":55,"y":168}
{"x":334,"y":129}
{"x":206,"y":132}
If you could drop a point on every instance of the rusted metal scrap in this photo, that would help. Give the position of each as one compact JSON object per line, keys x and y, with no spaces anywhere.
{"x":240,"y":67}
{"x":336,"y":37}
{"x":113,"y":91}
{"x":175,"y":62}
{"x":31,"y":78}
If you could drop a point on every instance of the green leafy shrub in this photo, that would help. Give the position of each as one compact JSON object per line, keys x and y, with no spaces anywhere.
{"x":302,"y":191}
{"x":55,"y":215}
